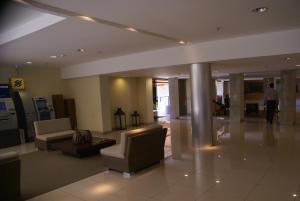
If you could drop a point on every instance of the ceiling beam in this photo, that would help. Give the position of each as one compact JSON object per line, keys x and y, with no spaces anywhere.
{"x":267,"y":44}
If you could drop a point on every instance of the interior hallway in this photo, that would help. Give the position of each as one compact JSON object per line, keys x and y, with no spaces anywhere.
{"x":252,"y":162}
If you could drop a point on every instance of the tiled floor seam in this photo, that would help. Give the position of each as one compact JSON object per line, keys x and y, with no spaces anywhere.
{"x":257,"y":183}
{"x":71,"y":194}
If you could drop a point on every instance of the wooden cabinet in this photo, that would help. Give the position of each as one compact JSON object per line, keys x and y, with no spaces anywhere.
{"x":58,"y":105}
{"x":70,"y":111}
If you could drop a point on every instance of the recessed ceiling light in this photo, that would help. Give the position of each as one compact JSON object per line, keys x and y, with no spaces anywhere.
{"x":260,"y":10}
{"x":86,"y":18}
{"x":219,"y":28}
{"x":218,"y":181}
{"x":28,"y":62}
{"x":295,"y":195}
{"x":182,"y":42}
{"x":219,"y":156}
{"x":80,"y":50}
{"x":186,"y":175}
{"x":131,"y":29}
{"x":53,"y":57}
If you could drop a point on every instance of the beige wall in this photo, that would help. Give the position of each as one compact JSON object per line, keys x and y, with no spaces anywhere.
{"x":123,"y":93}
{"x":96,"y":97}
{"x":43,"y":81}
{"x":145,"y":99}
{"x":132,"y":94}
{"x":86,"y":92}
{"x":39,"y":81}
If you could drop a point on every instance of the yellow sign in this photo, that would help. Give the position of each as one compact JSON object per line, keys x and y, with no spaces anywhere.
{"x":17,"y":83}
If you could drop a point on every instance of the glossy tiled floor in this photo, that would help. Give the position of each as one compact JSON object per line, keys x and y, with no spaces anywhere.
{"x":251,"y":161}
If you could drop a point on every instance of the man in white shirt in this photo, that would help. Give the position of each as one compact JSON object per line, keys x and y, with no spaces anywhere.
{"x":271,"y":100}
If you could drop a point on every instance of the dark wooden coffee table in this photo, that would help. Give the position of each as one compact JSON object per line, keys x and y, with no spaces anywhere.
{"x":83,"y":150}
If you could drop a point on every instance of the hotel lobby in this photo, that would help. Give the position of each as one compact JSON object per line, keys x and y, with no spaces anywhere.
{"x":140,"y":100}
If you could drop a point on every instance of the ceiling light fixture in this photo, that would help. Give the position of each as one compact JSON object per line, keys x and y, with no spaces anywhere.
{"x":28,"y":62}
{"x":259,"y":10}
{"x":86,"y":18}
{"x":53,"y":57}
{"x":131,"y":29}
{"x":186,"y":175}
{"x":298,"y":65}
{"x":182,"y":42}
{"x":22,"y":2}
{"x":218,"y":181}
{"x":295,"y":195}
{"x":80,"y":50}
{"x":219,"y":28}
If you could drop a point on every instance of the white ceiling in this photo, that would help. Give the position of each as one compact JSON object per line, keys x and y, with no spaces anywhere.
{"x":192,"y":20}
{"x":189,"y":20}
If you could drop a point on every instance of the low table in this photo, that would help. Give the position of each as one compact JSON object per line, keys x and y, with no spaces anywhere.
{"x":83,"y":150}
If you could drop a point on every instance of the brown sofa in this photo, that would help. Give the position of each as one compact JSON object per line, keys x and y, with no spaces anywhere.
{"x":138,"y":149}
{"x":50,"y":131}
{"x":10,"y":176}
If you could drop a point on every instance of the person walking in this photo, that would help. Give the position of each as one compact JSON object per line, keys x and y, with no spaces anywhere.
{"x":271,"y":101}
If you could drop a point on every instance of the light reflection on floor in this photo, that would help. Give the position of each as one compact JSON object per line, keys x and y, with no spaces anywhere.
{"x":251,"y":161}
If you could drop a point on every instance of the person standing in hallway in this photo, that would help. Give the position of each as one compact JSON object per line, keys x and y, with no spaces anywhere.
{"x":226,"y":103}
{"x":271,"y":101}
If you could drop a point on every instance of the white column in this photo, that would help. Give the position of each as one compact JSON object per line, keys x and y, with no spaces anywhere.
{"x":174,"y":98}
{"x":145,"y":99}
{"x":201,"y":104}
{"x":213,"y":95}
{"x":237,"y":105}
{"x":288,"y":97}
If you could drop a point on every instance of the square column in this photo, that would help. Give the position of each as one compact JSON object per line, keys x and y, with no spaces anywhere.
{"x":174,"y":98}
{"x":105,"y":103}
{"x":237,"y":105}
{"x":288,"y":97}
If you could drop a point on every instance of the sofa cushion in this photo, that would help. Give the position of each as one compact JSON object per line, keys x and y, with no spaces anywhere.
{"x":144,"y":129}
{"x":137,"y":131}
{"x":56,"y":135}
{"x":113,"y":151}
{"x":52,"y":126}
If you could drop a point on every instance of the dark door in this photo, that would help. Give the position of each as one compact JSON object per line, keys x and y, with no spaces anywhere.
{"x":182,"y":97}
